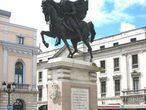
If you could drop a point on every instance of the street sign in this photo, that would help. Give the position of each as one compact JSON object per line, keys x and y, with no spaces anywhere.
{"x":10,"y":107}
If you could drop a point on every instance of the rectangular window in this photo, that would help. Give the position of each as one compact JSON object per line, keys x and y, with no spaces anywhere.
{"x":115,"y":44}
{"x":117,"y":87}
{"x":103,"y":88}
{"x":102,"y":65}
{"x":133,"y":40}
{"x":116,"y":64}
{"x":136,"y":84}
{"x":102,"y":47}
{"x":40,"y":77}
{"x":40,"y":93}
{"x":135,"y":61}
{"x":20,"y":40}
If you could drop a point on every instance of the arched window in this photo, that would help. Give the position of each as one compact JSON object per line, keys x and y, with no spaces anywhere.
{"x":19,"y":105}
{"x":18,"y":73}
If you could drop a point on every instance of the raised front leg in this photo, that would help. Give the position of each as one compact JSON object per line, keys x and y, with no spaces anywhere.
{"x":47,"y":33}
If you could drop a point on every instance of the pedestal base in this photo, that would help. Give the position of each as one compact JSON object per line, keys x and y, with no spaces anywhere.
{"x":73,"y":85}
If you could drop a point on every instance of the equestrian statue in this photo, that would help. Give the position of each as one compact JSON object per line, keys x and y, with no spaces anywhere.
{"x":66,"y":22}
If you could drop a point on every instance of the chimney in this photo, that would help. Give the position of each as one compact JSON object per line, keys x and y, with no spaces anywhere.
{"x":5,"y":15}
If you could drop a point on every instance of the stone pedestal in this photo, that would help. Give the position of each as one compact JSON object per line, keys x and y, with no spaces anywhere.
{"x":72,"y":85}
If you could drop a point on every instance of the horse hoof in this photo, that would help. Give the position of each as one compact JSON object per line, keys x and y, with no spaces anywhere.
{"x":47,"y":45}
{"x":71,"y":56}
{"x":90,"y":60}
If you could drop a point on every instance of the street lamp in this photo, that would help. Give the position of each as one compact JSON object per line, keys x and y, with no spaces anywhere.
{"x":8,"y":88}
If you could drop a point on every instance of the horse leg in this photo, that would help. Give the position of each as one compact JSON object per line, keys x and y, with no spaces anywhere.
{"x":74,"y":43}
{"x":47,"y":33}
{"x":89,"y":49}
{"x":67,"y":45}
{"x":43,"y":39}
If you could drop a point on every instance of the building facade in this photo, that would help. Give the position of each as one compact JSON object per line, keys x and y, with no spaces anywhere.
{"x":42,"y":79}
{"x":18,"y":55}
{"x":121,"y":82}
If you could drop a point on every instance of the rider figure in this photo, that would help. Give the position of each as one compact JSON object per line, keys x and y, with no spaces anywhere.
{"x":68,"y":12}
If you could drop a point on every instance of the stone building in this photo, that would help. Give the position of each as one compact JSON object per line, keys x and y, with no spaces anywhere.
{"x":121,"y":82}
{"x":18,"y":53}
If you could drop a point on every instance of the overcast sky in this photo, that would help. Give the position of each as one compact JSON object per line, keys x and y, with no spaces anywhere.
{"x":109,"y":16}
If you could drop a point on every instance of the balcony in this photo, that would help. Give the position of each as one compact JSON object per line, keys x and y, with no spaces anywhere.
{"x":22,"y":87}
{"x":134,"y":96}
{"x":135,"y":65}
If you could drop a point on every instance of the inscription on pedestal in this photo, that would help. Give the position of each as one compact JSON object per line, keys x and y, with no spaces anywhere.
{"x":79,"y":99}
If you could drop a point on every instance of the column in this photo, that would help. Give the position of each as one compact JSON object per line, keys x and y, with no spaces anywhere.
{"x":5,"y":64}
{"x":34,"y":72}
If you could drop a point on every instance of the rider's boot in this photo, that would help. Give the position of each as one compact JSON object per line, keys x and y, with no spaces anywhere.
{"x":58,"y":40}
{"x":79,"y":33}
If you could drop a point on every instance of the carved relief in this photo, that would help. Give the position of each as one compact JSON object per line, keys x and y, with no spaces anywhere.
{"x":55,"y":94}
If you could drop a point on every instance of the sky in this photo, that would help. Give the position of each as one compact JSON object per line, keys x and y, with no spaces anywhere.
{"x":109,"y":16}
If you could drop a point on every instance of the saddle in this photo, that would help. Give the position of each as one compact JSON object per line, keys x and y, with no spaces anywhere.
{"x":66,"y":25}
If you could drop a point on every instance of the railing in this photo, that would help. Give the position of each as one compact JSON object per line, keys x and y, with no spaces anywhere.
{"x":134,"y":92}
{"x":103,"y":94}
{"x":134,"y":96}
{"x":135,"y":65}
{"x":117,"y":93}
{"x":40,"y":99}
{"x":22,"y":86}
{"x":116,"y":68}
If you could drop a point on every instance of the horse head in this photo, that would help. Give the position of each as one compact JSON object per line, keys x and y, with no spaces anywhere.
{"x":46,"y":7}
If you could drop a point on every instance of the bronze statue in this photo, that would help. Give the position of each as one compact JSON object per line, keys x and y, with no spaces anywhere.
{"x":66,"y":22}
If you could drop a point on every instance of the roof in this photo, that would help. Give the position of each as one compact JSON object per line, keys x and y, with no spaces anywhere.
{"x":5,"y":13}
{"x":119,"y":33}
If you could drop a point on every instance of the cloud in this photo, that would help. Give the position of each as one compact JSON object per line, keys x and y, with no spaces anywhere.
{"x":126,"y":27}
{"x":99,"y":12}
{"x":124,"y":4}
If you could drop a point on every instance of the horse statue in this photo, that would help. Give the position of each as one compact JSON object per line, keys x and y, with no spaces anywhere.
{"x":60,"y":29}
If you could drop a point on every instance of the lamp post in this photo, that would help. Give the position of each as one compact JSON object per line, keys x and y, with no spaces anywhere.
{"x":8,"y":88}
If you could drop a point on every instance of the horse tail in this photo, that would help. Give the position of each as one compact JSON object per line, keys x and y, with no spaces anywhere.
{"x":92,"y":30}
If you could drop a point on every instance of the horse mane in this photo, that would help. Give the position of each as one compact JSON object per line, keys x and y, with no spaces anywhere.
{"x":44,"y":7}
{"x":55,"y":5}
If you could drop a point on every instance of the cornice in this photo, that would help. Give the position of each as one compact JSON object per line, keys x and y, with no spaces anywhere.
{"x":6,"y":31}
{"x":117,"y":77}
{"x":19,"y":48}
{"x":103,"y":79}
{"x":18,"y":26}
{"x":123,"y":49}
